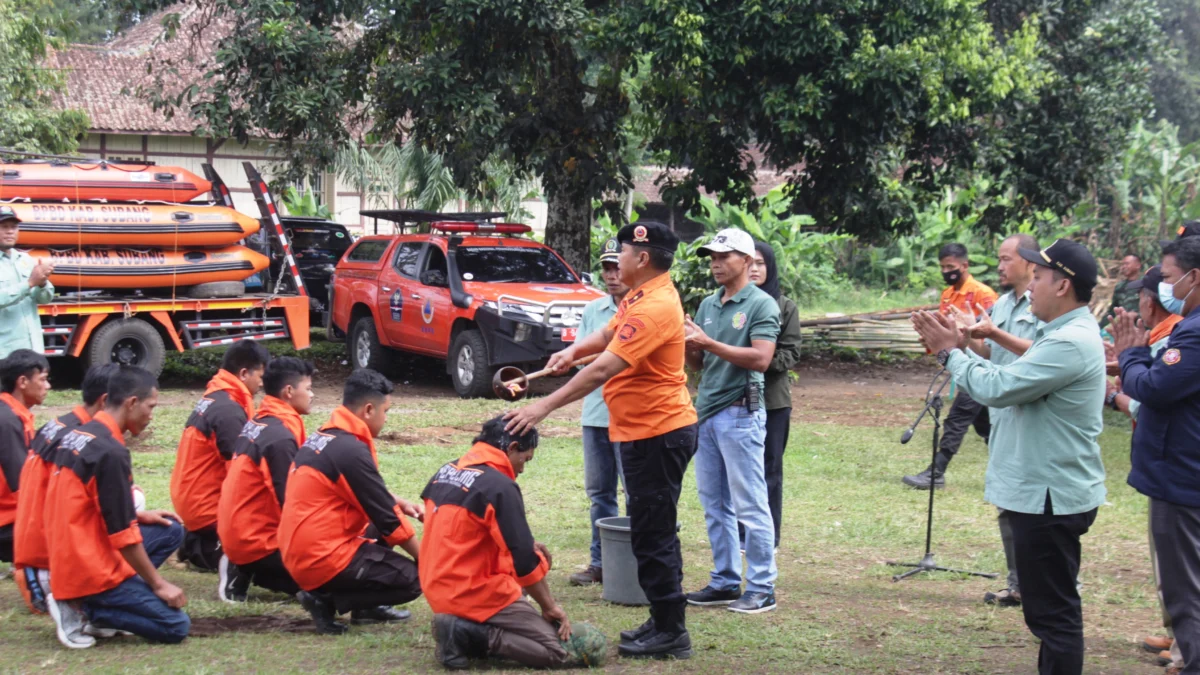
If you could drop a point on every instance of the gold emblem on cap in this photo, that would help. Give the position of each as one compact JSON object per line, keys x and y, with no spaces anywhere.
{"x":640,"y":234}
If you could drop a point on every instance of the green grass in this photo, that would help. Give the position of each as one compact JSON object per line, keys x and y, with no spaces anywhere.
{"x":861,"y":300}
{"x":846,"y":513}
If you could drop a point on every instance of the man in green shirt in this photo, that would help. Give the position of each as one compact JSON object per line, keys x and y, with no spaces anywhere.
{"x":601,"y":461}
{"x":1124,"y":294}
{"x":24,"y":284}
{"x":1044,"y":467}
{"x":732,"y":342}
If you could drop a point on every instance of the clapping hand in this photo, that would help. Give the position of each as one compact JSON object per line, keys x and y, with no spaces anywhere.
{"x":1111,"y":365}
{"x":938,"y":331}
{"x":1127,"y":330}
{"x":694,"y":337}
{"x":41,"y":272}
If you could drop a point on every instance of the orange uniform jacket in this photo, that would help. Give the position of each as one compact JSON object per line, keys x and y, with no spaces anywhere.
{"x":29,"y":534}
{"x":477,"y":551}
{"x":206,"y":448}
{"x":334,"y":492}
{"x":253,"y":492}
{"x":16,"y":433}
{"x":973,"y":292}
{"x":89,"y":513}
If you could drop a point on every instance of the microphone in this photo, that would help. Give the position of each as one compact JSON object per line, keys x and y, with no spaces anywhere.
{"x":906,"y":436}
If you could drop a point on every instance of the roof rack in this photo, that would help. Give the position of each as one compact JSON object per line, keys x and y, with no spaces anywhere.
{"x":403,"y":219}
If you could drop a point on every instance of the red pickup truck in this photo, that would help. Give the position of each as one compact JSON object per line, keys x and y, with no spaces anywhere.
{"x":469,"y":292}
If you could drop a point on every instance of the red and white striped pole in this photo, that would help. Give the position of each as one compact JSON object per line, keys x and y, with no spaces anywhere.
{"x":262,"y":194}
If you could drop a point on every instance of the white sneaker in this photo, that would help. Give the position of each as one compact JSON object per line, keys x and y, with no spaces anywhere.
{"x":69,"y":624}
{"x":103,"y":633}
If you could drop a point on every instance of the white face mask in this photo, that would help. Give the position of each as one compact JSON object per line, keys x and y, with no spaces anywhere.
{"x":1166,"y":295}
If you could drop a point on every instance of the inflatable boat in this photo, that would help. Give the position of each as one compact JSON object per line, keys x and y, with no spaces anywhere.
{"x":95,"y":267}
{"x":168,"y":226}
{"x":81,"y":181}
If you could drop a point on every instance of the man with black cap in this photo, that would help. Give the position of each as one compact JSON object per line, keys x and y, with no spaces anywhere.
{"x":1044,"y":465}
{"x":601,"y":462}
{"x":651,"y":420}
{"x":1166,"y":442}
{"x":24,"y":284}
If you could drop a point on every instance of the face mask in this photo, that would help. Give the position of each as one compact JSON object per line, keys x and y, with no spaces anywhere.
{"x":952,"y":277}
{"x":1166,"y":295}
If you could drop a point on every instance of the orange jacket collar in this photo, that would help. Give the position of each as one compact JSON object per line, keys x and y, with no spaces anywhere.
{"x":81,"y":414}
{"x":107,"y":420}
{"x":229,"y":383}
{"x":22,"y":412}
{"x":347,"y":421}
{"x":275,"y":407}
{"x":1164,"y":328}
{"x":482,"y":453}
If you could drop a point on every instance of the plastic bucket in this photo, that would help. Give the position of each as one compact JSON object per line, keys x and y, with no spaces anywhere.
{"x":620,"y":567}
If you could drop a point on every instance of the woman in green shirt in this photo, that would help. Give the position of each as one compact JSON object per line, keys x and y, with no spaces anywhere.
{"x":778,"y":387}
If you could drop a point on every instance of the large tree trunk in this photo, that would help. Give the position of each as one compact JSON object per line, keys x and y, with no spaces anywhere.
{"x":569,"y":228}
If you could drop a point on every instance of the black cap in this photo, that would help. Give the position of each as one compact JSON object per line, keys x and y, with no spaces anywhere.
{"x":1189,"y":229}
{"x":7,"y":213}
{"x":650,"y":235}
{"x":1068,"y":257}
{"x":1151,"y":280}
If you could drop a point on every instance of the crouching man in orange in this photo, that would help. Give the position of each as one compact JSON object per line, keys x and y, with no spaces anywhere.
{"x":254,"y":488}
{"x":103,"y":552}
{"x":23,"y":385}
{"x":477,"y":554}
{"x":335,"y":492}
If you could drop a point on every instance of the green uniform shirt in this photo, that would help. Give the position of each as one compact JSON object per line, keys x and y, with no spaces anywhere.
{"x":1054,"y":396}
{"x":596,"y":316}
{"x":749,"y":315}
{"x":787,"y":353}
{"x":1122,"y":297}
{"x":20,"y":327}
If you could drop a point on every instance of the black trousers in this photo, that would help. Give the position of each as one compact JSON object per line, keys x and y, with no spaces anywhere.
{"x":202,"y":548}
{"x":1176,"y":531}
{"x":1047,"y":550}
{"x":654,"y":469}
{"x":779,"y":423}
{"x":376,"y":576}
{"x":269,"y":573}
{"x":964,"y":412}
{"x":6,"y":543}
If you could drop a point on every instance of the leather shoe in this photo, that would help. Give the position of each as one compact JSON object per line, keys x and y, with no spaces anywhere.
{"x":322,"y":613}
{"x":1164,"y":658}
{"x":658,"y":645}
{"x":1156,"y":643}
{"x":591,"y":576}
{"x":639,"y":632}
{"x":380,"y":614}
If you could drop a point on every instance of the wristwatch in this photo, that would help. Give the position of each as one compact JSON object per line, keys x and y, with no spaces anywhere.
{"x":943,"y":356}
{"x":1111,"y":400}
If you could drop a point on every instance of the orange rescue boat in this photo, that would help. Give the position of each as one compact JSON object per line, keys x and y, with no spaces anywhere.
{"x":93,"y":267}
{"x":169,"y":226}
{"x":80,"y":181}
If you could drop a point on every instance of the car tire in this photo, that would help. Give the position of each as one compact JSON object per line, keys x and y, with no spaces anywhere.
{"x":131,"y":342}
{"x":363,"y":350}
{"x":468,"y":365}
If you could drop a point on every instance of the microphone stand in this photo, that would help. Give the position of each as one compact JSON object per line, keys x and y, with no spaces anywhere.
{"x":933,"y":403}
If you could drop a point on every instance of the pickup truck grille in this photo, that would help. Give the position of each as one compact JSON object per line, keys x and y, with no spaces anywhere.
{"x":564,"y":314}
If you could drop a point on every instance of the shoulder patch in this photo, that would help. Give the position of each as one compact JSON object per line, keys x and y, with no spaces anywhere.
{"x":317,"y":441}
{"x":1171,"y":357}
{"x":627,"y":332}
{"x":635,"y":297}
{"x":51,"y":429}
{"x":252,"y":429}
{"x":76,"y":440}
{"x":202,"y":405}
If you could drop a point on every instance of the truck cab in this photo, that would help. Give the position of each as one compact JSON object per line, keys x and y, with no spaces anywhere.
{"x":469,"y":293}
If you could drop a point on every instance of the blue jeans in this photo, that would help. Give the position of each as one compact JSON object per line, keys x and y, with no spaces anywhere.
{"x":132,"y":606}
{"x":601,"y":471}
{"x":733,"y":487}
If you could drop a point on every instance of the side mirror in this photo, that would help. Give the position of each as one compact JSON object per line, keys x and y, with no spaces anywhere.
{"x":587,"y":278}
{"x":435,"y":278}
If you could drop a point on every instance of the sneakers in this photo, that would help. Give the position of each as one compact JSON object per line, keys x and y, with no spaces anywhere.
{"x":1004,"y":598}
{"x":591,"y":576}
{"x":1155,"y":644}
{"x":323,"y":614}
{"x":922,"y":480}
{"x":753,"y":602}
{"x":639,"y":632}
{"x":711,"y":597}
{"x":232,"y":585}
{"x":103,"y":632}
{"x":68,"y":624}
{"x":380,"y":614}
{"x":658,"y":645}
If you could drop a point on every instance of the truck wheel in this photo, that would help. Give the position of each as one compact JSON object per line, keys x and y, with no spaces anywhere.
{"x":364,"y":348}
{"x":129,"y":342}
{"x":469,"y":365}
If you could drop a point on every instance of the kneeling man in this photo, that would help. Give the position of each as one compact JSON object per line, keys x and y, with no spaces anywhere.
{"x":478,"y":555}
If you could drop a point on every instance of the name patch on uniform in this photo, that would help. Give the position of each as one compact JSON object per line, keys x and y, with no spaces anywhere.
{"x":76,"y":440}
{"x":202,"y":405}
{"x":1171,"y":357}
{"x":462,"y":478}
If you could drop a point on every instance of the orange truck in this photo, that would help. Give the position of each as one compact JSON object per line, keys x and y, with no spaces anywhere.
{"x":136,"y":327}
{"x":467,"y":291}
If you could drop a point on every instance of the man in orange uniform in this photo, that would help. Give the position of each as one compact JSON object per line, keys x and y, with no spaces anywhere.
{"x":964,"y":292}
{"x":651,"y":419}
{"x":207,"y":446}
{"x":105,"y":554}
{"x":24,"y":383}
{"x":334,"y":493}
{"x":31,"y":558}
{"x":253,"y":492}
{"x":478,"y":557}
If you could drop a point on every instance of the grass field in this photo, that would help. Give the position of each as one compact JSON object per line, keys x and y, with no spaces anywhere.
{"x":845,"y":514}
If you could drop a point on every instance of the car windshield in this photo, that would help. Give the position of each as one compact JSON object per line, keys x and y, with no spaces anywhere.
{"x":512,"y":265}
{"x":318,"y":243}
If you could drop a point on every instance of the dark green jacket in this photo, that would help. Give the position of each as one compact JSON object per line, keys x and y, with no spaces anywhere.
{"x":787,"y":354}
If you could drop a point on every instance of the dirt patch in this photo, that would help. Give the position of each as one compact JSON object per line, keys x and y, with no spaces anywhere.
{"x":212,"y":626}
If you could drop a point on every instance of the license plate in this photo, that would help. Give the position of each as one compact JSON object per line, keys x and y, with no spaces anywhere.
{"x":569,"y":334}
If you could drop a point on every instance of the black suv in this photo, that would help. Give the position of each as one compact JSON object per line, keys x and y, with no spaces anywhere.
{"x":317,"y":246}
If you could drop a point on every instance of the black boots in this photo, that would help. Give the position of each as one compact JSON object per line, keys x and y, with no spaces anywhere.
{"x":639,"y":632}
{"x":658,"y":645}
{"x":323,"y":614}
{"x":380,"y":614}
{"x":935,"y":475}
{"x":458,"y":640}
